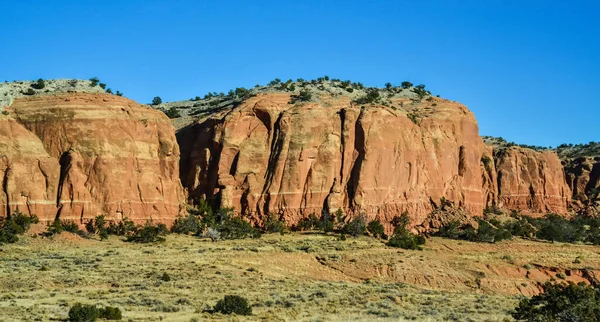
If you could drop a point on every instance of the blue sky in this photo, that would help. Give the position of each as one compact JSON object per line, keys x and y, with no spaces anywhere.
{"x":529,"y":70}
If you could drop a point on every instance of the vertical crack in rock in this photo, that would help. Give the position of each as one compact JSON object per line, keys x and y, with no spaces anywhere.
{"x":65,"y":162}
{"x":359,"y":147}
{"x":342,"y":113}
{"x":274,"y":155}
{"x":5,"y":189}
{"x":234,"y":164}
{"x":305,"y":190}
{"x":462,"y":163}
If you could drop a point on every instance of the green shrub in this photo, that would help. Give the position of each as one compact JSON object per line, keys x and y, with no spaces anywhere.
{"x":70,"y":226}
{"x":485,"y":232}
{"x":406,"y":240}
{"x":94,"y":81}
{"x":561,"y":302}
{"x":372,"y":96}
{"x":233,"y":304}
{"x":303,"y":96}
{"x":16,"y":224}
{"x":402,"y":237}
{"x":554,"y":227}
{"x":90,"y":313}
{"x":111,"y":313}
{"x":273,"y":224}
{"x":29,"y":91}
{"x":188,"y":225}
{"x":406,"y":84}
{"x":165,"y":277}
{"x":172,"y":112}
{"x":83,"y":313}
{"x":308,"y":223}
{"x":156,"y":100}
{"x":236,"y":228}
{"x":148,"y":233}
{"x":39,"y":84}
{"x":375,"y":228}
{"x":356,"y":227}
{"x":123,"y":228}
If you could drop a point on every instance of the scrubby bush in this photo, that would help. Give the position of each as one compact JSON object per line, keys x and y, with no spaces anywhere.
{"x":308,"y":223}
{"x":376,"y":229}
{"x":16,"y":224}
{"x":188,"y":225}
{"x":94,"y":81}
{"x":83,"y":313}
{"x":561,"y":302}
{"x":149,"y":233}
{"x":29,"y":91}
{"x":156,"y":100}
{"x":406,"y":84}
{"x":273,"y":224}
{"x":233,"y":304}
{"x":485,"y":232}
{"x":39,"y":84}
{"x":402,"y":237}
{"x":372,"y":96}
{"x":123,"y":228}
{"x":356,"y":227}
{"x":303,"y":96}
{"x":90,"y":313}
{"x":172,"y":112}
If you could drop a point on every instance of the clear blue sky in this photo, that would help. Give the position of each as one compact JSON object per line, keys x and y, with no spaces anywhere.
{"x":529,"y":70}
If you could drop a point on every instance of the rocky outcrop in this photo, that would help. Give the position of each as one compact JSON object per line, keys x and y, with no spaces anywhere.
{"x":531,"y":181}
{"x":79,"y":155}
{"x":295,"y":159}
{"x":583,"y":177}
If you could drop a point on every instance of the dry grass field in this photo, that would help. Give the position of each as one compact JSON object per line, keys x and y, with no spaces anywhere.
{"x":295,"y":277}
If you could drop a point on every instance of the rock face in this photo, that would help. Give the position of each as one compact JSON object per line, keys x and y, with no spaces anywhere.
{"x":78,"y":155}
{"x":531,"y":181}
{"x":583,"y":177}
{"x":266,"y":155}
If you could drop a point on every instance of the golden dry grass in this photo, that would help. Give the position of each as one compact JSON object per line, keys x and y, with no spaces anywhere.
{"x":296,"y":277}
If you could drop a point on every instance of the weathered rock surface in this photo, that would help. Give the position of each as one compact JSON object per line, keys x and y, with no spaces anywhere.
{"x":266,"y":155}
{"x":79,"y":155}
{"x":583,"y":177}
{"x":531,"y":181}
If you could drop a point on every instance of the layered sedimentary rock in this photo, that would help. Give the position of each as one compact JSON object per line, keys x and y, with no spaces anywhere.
{"x":531,"y":181}
{"x":583,"y":177}
{"x":79,"y":155}
{"x":295,"y":159}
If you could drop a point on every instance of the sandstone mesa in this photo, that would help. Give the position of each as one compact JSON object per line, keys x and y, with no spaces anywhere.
{"x":78,"y":154}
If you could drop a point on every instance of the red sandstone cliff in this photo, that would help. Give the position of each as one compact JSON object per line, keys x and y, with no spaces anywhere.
{"x":79,"y":155}
{"x":267,"y":155}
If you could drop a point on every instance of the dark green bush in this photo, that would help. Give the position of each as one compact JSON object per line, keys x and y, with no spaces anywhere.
{"x":402,"y":237}
{"x":156,"y":100}
{"x":236,"y":228}
{"x":274,"y":225}
{"x":90,"y":313}
{"x":233,"y":304}
{"x":83,"y":313}
{"x":188,"y":225}
{"x":308,"y":223}
{"x":94,"y":81}
{"x":165,"y":277}
{"x":485,"y":232}
{"x":110,"y":313}
{"x":123,"y":228}
{"x":149,"y":233}
{"x":561,"y":302}
{"x":406,"y":84}
{"x":372,"y":96}
{"x":16,"y":224}
{"x":375,"y":228}
{"x":39,"y":84}
{"x":172,"y":112}
{"x":356,"y":227}
{"x":29,"y":91}
{"x":304,"y":96}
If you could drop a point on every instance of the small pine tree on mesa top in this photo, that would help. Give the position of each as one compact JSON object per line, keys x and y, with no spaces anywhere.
{"x":156,"y":100}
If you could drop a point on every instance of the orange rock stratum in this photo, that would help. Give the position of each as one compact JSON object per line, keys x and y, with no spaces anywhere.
{"x":79,"y":155}
{"x":267,"y":155}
